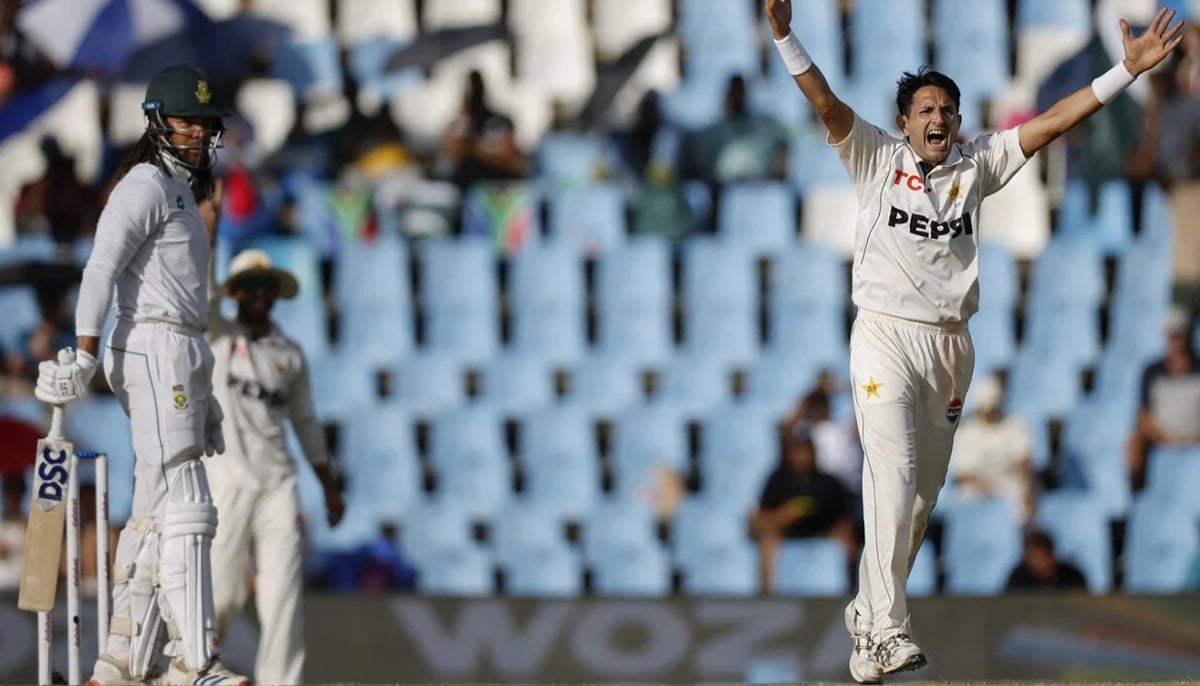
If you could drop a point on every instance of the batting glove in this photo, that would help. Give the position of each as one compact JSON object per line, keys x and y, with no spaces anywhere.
{"x":59,"y":384}
{"x":214,"y":438}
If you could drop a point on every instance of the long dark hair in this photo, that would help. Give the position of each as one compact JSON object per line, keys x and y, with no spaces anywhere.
{"x":149,"y":151}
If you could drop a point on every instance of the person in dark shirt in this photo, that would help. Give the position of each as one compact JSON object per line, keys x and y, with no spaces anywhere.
{"x":798,"y":501}
{"x":1040,"y":570}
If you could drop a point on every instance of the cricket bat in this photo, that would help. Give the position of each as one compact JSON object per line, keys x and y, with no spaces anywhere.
{"x":47,"y":514}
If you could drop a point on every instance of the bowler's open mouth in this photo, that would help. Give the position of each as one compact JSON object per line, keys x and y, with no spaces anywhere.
{"x":937,"y":137}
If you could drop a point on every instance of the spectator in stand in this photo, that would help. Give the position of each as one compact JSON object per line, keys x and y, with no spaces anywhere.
{"x":480,"y":144}
{"x":57,"y":204}
{"x":55,"y":331}
{"x":992,"y":455}
{"x":1041,"y":570}
{"x":1169,"y":414}
{"x":22,"y":66}
{"x":839,"y":452}
{"x":12,"y":532}
{"x":1170,"y":153}
{"x":743,"y":145}
{"x":799,"y":501}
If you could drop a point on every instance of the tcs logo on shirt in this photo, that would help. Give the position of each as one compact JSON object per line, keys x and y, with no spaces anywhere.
{"x":924,"y":226}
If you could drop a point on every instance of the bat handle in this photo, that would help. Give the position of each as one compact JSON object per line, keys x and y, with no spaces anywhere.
{"x":56,"y":424}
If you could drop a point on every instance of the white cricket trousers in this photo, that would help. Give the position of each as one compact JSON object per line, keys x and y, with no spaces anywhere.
{"x":162,"y":376}
{"x":909,"y":383}
{"x":263,"y":522}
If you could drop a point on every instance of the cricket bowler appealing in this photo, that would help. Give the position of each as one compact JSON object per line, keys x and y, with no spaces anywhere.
{"x":915,"y":284}
{"x":152,"y":246}
{"x":261,"y":379}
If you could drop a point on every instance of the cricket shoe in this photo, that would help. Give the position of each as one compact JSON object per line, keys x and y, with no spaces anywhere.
{"x":109,"y":671}
{"x":215,"y":674}
{"x":862,"y":656}
{"x":898,"y":654}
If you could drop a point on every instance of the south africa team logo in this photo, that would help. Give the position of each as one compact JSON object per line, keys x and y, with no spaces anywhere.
{"x":180,"y":397}
{"x":954,"y":410}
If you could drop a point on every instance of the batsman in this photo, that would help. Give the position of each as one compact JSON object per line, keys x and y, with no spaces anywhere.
{"x":152,"y":249}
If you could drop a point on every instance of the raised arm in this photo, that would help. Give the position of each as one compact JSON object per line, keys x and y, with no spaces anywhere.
{"x":1141,"y":54}
{"x":837,"y":115}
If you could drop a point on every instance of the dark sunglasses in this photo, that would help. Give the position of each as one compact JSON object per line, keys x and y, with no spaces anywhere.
{"x":257,"y":283}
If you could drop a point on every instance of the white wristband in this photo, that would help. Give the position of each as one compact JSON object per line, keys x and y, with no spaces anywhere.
{"x":794,"y":55}
{"x":1109,"y":85}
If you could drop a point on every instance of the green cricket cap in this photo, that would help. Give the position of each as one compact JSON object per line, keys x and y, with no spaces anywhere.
{"x":182,"y":91}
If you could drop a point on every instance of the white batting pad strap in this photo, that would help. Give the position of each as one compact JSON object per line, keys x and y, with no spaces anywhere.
{"x":182,"y":519}
{"x":143,"y":622}
{"x":189,"y":522}
{"x":123,"y":626}
{"x":794,"y":55}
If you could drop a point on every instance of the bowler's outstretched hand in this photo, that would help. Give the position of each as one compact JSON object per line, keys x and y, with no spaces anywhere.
{"x":1147,"y":50}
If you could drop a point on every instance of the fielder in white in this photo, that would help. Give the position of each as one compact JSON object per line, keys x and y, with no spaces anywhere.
{"x":261,"y":379}
{"x":915,"y":283}
{"x":152,"y":247}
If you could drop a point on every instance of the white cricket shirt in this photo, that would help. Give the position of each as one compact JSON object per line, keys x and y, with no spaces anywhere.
{"x":916,"y":243}
{"x":151,"y":244}
{"x":261,"y":384}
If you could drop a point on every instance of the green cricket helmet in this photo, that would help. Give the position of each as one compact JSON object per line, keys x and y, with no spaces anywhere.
{"x":183,"y":91}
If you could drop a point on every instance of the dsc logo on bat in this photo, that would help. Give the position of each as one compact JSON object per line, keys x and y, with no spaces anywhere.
{"x":52,"y":475}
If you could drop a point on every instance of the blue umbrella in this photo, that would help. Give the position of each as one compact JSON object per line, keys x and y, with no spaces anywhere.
{"x":243,"y":39}
{"x":98,"y":36}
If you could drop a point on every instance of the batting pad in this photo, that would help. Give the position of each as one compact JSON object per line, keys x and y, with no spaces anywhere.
{"x":185,"y":569}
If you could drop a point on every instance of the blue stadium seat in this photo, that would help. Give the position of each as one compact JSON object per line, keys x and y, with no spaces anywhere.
{"x":515,"y":383}
{"x":378,"y":454}
{"x":703,"y":524}
{"x":646,"y":438}
{"x":730,"y":570}
{"x":562,"y":467}
{"x":761,"y":216}
{"x":807,"y":274}
{"x":296,"y":255}
{"x":720,"y":37}
{"x":522,"y":527}
{"x":981,"y":546}
{"x":1070,"y":14}
{"x":923,"y":577}
{"x":994,"y":338}
{"x":693,"y":384}
{"x":602,"y":385}
{"x":739,"y":447}
{"x":1136,"y":337}
{"x":378,"y":333}
{"x":1110,"y":226}
{"x":821,"y":33}
{"x":1068,"y":332}
{"x":457,"y":572}
{"x":1144,"y":272}
{"x":633,"y":301}
{"x":1157,"y":220}
{"x":372,"y":272}
{"x":553,"y":571}
{"x":342,"y":386}
{"x":304,"y":321}
{"x":811,"y":160}
{"x":1103,"y":470}
{"x":435,"y":527}
{"x":642,"y":571}
{"x":548,"y":294}
{"x":1160,"y":547}
{"x":777,"y":380}
{"x":568,"y":159}
{"x":888,"y":37}
{"x":815,"y":567}
{"x":1042,"y":386}
{"x":590,"y":218}
{"x":1079,"y":526}
{"x":467,"y":453}
{"x":19,"y":311}
{"x":720,"y":296}
{"x":97,"y":422}
{"x":310,"y":65}
{"x":615,"y":525}
{"x":696,"y":102}
{"x":1173,"y":477}
{"x":29,"y":247}
{"x":26,"y":408}
{"x":999,"y":282}
{"x":460,"y":299}
{"x":359,"y":525}
{"x":819,"y":330}
{"x":367,"y":63}
{"x":972,"y":44}
{"x":426,"y":384}
{"x":1079,"y":258}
